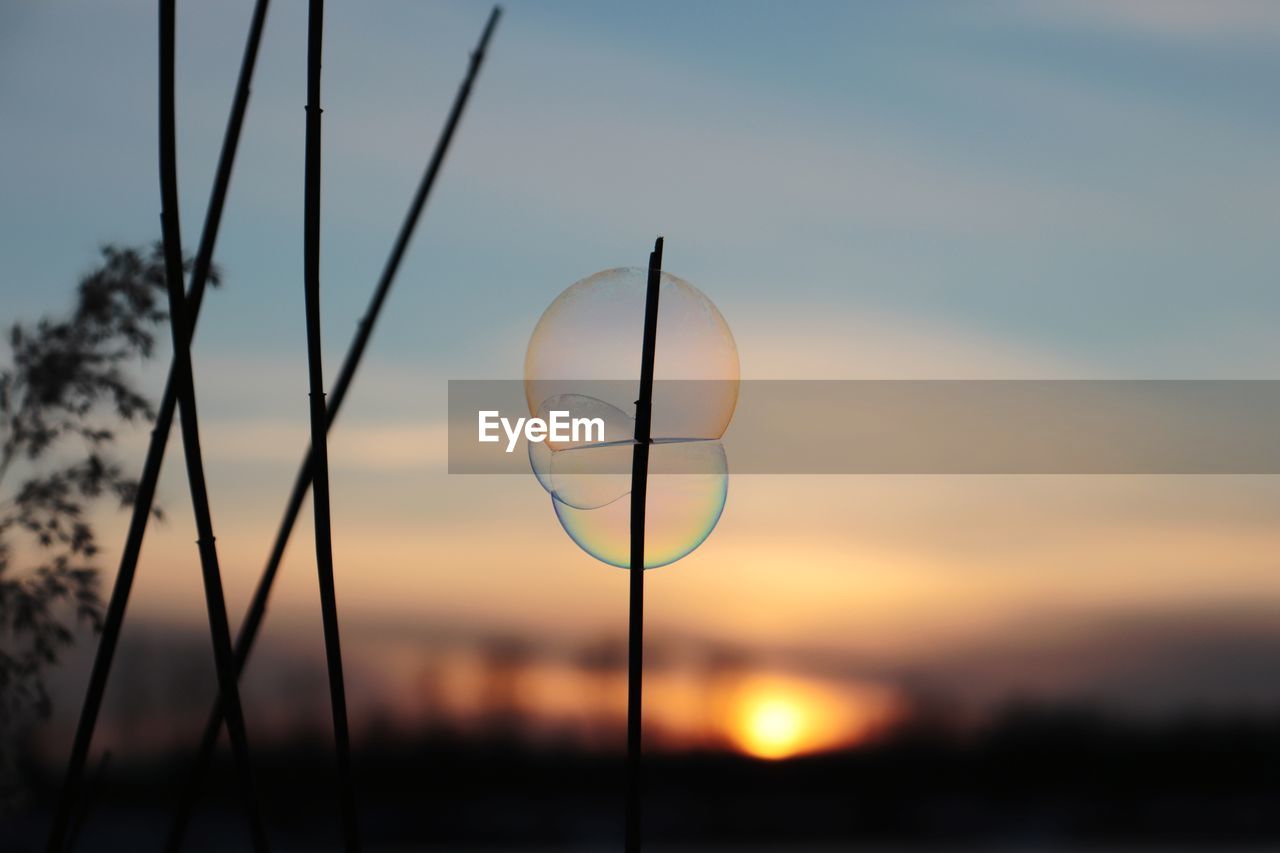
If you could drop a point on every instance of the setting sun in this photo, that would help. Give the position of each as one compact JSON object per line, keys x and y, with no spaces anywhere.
{"x":776,"y":717}
{"x":773,"y":728}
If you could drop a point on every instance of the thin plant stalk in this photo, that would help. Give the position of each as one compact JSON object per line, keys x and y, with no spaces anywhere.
{"x":319,"y":436}
{"x":219,"y":629}
{"x":639,"y":493}
{"x":145,"y":498}
{"x":302,"y":482}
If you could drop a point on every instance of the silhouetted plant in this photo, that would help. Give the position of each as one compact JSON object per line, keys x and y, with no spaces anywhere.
{"x":62,"y":397}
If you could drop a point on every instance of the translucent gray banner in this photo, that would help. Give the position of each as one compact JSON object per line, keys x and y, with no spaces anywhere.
{"x":897,"y":427}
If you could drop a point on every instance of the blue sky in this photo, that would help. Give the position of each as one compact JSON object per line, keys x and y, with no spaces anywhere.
{"x":869,"y":190}
{"x":1090,"y":182}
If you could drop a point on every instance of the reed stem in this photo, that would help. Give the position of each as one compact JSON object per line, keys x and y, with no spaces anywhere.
{"x":319,"y":435}
{"x":181,"y":329}
{"x":302,"y":482}
{"x":639,"y":494}
{"x":143,"y":503}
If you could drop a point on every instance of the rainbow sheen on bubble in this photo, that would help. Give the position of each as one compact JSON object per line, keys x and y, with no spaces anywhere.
{"x":592,"y":332}
{"x":681,"y":510}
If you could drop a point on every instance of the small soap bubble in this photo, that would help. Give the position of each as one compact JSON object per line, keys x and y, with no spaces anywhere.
{"x":592,"y":476}
{"x":615,"y":425}
{"x":593,"y":470}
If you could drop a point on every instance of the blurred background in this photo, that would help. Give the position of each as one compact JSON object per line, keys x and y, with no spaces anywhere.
{"x":873,"y":190}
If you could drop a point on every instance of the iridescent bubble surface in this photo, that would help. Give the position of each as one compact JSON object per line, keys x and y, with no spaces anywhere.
{"x":681,"y":510}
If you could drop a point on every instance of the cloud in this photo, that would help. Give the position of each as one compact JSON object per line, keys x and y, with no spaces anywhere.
{"x":1181,"y":20}
{"x":367,"y":447}
{"x":790,"y":342}
{"x":798,"y":173}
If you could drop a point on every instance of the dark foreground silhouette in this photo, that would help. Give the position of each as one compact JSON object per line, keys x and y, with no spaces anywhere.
{"x":1033,"y":778}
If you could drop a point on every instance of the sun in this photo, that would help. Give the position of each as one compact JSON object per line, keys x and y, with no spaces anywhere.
{"x":777,"y":716}
{"x":773,"y":728}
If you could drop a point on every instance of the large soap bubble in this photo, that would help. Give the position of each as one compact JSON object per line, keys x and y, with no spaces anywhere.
{"x":584,"y":358}
{"x":594,"y":331}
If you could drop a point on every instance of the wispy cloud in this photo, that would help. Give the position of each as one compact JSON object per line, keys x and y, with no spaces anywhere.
{"x":1181,"y":20}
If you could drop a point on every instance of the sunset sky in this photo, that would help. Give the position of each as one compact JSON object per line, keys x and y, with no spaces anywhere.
{"x":1052,"y":190}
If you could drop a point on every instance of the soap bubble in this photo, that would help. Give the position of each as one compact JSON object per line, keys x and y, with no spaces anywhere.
{"x":681,"y":509}
{"x":594,"y":475}
{"x":584,"y":358}
{"x":585,"y":474}
{"x":594,"y":331}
